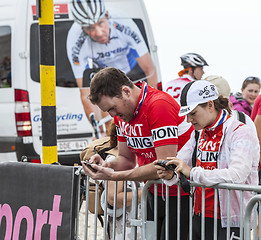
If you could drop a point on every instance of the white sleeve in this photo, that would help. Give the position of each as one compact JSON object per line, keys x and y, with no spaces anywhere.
{"x":172,"y":181}
{"x":77,"y":62}
{"x":238,"y":160}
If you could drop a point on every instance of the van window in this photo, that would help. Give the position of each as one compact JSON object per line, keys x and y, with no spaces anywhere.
{"x":64,"y":73}
{"x":5,"y":57}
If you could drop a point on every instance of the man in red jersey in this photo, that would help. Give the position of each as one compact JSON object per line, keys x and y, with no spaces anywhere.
{"x":148,"y":128}
{"x":193,"y":70}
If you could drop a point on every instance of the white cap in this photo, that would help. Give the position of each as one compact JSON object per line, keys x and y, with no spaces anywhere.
{"x":195,"y":93}
{"x":221,"y":84}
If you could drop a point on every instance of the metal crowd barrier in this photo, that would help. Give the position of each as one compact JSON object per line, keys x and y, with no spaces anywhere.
{"x":248,"y":223}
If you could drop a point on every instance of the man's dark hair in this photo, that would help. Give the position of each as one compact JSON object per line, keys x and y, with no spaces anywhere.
{"x":108,"y":82}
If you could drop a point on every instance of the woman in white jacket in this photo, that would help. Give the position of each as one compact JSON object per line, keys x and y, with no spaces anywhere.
{"x":227,"y":152}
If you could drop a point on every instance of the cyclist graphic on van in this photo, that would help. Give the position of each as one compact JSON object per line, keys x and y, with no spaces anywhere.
{"x":98,"y":39}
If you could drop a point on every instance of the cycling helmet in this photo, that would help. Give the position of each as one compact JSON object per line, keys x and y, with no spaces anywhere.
{"x":87,"y":12}
{"x":192,"y":60}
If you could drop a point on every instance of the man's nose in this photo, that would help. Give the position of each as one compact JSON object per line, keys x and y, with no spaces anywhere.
{"x":98,"y":31}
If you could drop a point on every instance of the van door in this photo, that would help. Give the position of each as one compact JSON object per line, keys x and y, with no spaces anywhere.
{"x":74,"y":131}
{"x":7,"y":117}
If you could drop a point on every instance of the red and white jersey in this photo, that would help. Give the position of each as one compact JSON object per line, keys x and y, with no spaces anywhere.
{"x":175,"y":86}
{"x":155,"y":123}
{"x":209,"y":145}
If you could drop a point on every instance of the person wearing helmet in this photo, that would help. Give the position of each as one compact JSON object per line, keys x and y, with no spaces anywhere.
{"x":96,"y":39}
{"x":193,"y":70}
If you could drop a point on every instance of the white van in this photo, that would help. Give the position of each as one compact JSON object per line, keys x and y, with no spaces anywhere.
{"x":20,"y":90}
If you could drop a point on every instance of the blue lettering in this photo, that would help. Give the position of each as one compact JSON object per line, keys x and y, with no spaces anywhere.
{"x":79,"y":117}
{"x":69,"y":116}
{"x":36,"y":118}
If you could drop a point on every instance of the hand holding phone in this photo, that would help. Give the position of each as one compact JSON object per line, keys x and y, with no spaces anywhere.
{"x":163,"y":163}
{"x":183,"y":180}
{"x":88,"y":164}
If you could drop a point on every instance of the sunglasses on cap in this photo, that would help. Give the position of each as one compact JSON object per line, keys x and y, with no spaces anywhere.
{"x":252,"y":79}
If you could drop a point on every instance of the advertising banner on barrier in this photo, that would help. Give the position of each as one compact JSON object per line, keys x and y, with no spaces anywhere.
{"x":37,"y":201}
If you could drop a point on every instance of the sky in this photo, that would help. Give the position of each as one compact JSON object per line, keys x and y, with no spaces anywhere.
{"x":226,"y":33}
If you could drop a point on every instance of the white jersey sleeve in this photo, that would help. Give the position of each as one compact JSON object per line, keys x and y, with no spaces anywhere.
{"x":78,"y":58}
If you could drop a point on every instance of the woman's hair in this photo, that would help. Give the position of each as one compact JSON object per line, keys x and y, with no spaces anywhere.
{"x":220,"y":103}
{"x":112,"y":132}
{"x":249,"y":80}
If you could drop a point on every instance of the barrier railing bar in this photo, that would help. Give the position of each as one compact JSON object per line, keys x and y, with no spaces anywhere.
{"x":215,"y":213}
{"x":87,"y":183}
{"x":96,"y":210}
{"x":202,"y":214}
{"x":248,"y":211}
{"x":167,"y":213}
{"x":228,"y":213}
{"x":191,"y":203}
{"x":77,"y":209}
{"x":124,"y":209}
{"x":144,"y":195}
{"x":155,"y":208}
{"x":105,"y":210}
{"x":178,"y":211}
{"x":241,"y":215}
{"x":259,"y":222}
{"x":114,"y":210}
{"x":134,"y":209}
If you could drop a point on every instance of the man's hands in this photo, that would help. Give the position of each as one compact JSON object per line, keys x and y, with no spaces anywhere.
{"x":98,"y":169}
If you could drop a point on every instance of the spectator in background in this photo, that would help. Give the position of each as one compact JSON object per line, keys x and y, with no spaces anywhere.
{"x":224,"y":90}
{"x":244,"y":101}
{"x":256,"y":117}
{"x":193,"y":70}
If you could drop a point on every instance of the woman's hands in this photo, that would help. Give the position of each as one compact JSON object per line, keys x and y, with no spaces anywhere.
{"x":182,"y":167}
{"x":163,"y":172}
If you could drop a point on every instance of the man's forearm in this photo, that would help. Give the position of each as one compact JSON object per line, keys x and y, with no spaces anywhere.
{"x":143,"y":173}
{"x":121,"y":163}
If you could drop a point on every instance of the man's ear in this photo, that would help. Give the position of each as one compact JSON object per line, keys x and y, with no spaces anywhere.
{"x":126,"y":91}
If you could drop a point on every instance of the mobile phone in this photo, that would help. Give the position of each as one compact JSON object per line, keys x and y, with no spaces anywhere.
{"x":183,"y":180}
{"x":163,"y":163}
{"x":88,"y":164}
